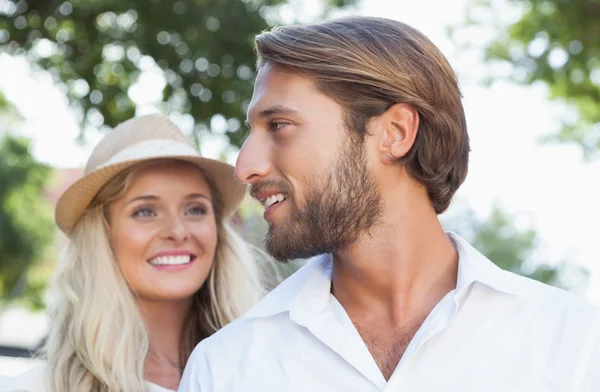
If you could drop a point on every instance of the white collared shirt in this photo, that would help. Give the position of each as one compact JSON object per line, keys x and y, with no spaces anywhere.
{"x":497,"y":331}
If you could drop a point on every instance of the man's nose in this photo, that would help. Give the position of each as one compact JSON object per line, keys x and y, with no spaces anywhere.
{"x":253,"y":162}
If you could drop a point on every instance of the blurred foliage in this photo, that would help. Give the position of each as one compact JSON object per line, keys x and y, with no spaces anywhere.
{"x":556,"y":42}
{"x":26,"y":224}
{"x":513,"y":249}
{"x":101,"y":49}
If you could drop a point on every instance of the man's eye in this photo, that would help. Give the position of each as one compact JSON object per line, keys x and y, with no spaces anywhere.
{"x":277,"y":125}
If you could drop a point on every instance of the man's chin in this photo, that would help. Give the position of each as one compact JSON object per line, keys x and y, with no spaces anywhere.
{"x":278,"y":255}
{"x":285,"y":251}
{"x":285,"y":242}
{"x":279,"y":246}
{"x":278,"y":250}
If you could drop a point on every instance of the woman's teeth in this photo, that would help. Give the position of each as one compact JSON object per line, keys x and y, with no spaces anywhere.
{"x":269,"y":201}
{"x":171,"y":260}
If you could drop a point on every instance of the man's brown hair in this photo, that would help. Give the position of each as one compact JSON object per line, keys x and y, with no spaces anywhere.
{"x":369,"y":64}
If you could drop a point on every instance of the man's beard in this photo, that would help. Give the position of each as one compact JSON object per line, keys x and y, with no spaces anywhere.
{"x":339,"y":207}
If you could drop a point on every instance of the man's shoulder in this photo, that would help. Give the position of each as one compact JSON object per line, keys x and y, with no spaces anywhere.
{"x":532,"y":294}
{"x":550,"y":300}
{"x":537,"y":290}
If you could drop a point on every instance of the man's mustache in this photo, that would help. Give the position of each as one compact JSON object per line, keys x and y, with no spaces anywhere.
{"x":271,"y":186}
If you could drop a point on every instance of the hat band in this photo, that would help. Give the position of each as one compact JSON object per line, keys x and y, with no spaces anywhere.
{"x":156,"y":148}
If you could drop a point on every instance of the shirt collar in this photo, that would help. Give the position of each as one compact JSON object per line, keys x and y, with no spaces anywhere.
{"x":308,"y":286}
{"x":307,"y":292}
{"x":475,"y":267}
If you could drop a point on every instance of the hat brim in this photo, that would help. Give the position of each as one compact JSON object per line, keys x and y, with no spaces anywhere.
{"x":73,"y":203}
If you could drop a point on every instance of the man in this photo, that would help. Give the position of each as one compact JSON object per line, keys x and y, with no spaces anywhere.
{"x":357,"y":142}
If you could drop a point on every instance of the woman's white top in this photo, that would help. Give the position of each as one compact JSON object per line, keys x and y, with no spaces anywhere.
{"x":35,"y":380}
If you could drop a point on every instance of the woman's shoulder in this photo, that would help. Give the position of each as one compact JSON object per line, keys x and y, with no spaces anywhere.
{"x":36,"y":380}
{"x":151,"y":387}
{"x":33,"y":380}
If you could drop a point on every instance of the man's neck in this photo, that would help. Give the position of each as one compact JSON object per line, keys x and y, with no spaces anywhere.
{"x":392,"y":277}
{"x":401,"y":267}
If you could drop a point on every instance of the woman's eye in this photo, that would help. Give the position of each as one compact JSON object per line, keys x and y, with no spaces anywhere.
{"x":143,"y":212}
{"x":197,"y":210}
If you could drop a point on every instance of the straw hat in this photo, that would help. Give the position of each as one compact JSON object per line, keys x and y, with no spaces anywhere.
{"x":140,"y":139}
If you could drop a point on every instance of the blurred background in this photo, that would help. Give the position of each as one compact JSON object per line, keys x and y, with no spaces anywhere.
{"x":69,"y":70}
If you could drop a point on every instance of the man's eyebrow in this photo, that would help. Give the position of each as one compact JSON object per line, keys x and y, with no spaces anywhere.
{"x":273,"y":110}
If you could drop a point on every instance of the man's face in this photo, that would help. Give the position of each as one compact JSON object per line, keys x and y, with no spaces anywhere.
{"x":311,"y":177}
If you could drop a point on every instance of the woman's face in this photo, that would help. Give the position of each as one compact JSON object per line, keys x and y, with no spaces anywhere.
{"x":163,"y":232}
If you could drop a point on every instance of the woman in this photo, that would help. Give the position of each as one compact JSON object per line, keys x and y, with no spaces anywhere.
{"x":152,"y":266}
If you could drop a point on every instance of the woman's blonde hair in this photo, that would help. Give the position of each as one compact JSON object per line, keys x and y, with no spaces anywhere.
{"x":98,"y":340}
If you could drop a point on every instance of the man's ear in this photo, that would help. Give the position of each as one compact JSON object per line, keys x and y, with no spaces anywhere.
{"x":398,"y":128}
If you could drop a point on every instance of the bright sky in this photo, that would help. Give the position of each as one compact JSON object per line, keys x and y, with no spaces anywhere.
{"x":548,"y":187}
